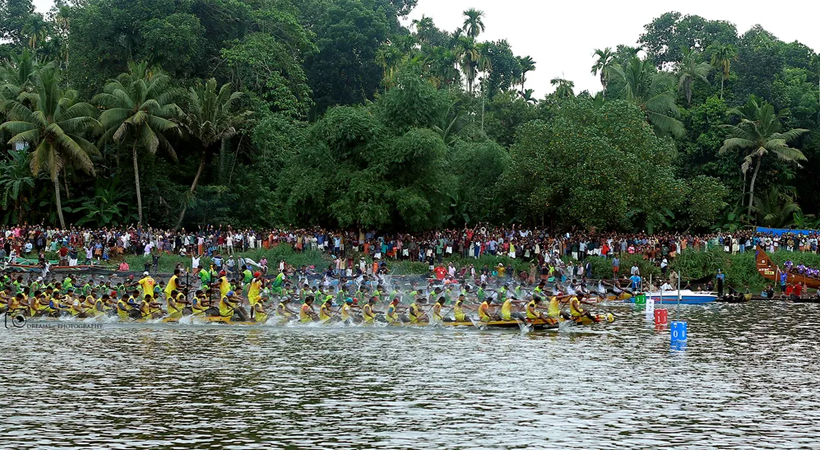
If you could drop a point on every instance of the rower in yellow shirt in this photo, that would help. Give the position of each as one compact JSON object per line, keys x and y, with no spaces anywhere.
{"x":393,"y":312}
{"x":554,"y":309}
{"x":368,"y":313}
{"x":485,"y":310}
{"x":415,"y":313}
{"x":344,"y":311}
{"x":283,"y":311}
{"x":436,"y":311}
{"x":259,"y":313}
{"x":173,"y":284}
{"x":326,"y":310}
{"x":306,"y":313}
{"x":577,"y":311}
{"x":229,"y":305}
{"x":224,"y":284}
{"x":459,"y":309}
{"x":507,"y":312}
{"x":147,"y":284}
{"x":532,"y":310}
{"x":173,"y":305}
{"x":255,"y":290}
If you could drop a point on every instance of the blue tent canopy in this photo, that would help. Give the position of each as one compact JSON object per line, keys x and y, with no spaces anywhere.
{"x":780,"y":231}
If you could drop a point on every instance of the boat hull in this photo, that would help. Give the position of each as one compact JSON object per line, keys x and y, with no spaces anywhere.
{"x":770,"y":271}
{"x":539,"y":324}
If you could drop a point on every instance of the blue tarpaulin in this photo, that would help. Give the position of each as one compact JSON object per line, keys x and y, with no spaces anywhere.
{"x":779,"y":231}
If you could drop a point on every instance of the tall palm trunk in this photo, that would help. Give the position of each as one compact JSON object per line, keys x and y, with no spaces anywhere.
{"x":137,"y":182}
{"x":752,"y":186}
{"x":722,"y":78}
{"x":193,"y":188}
{"x":59,"y":202}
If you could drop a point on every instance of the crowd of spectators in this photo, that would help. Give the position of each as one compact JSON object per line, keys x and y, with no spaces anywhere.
{"x":85,"y":246}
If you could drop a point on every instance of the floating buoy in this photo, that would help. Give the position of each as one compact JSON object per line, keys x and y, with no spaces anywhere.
{"x":661,"y":317}
{"x":650,"y":308}
{"x":677,"y":332}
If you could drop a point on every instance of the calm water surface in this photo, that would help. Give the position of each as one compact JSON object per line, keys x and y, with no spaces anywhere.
{"x":747,"y":379}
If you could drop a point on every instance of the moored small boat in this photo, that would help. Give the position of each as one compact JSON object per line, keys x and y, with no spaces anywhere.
{"x":687,"y":297}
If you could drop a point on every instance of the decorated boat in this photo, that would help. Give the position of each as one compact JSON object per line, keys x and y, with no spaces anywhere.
{"x":771,"y":271}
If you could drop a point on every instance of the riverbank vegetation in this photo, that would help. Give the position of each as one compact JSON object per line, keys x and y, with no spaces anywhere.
{"x":343,"y":113}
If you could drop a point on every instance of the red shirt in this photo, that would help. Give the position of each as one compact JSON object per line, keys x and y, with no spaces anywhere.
{"x":798,"y":290}
{"x":441,"y":272}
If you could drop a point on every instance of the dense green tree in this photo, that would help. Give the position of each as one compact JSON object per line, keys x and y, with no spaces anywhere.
{"x":348,"y":35}
{"x":589,"y":166}
{"x":54,"y":124}
{"x":666,"y":36}
{"x":504,"y":69}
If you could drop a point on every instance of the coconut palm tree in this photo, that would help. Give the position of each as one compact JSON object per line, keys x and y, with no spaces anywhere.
{"x":776,"y":209}
{"x":564,"y":88}
{"x":53,"y":122}
{"x":15,"y":180}
{"x":17,"y":75}
{"x":653,"y":93}
{"x":757,"y":135}
{"x":722,"y":57}
{"x":139,"y":112}
{"x":527,"y":65}
{"x":473,"y":25}
{"x":603,"y":65}
{"x":210,"y":117}
{"x":689,"y":71}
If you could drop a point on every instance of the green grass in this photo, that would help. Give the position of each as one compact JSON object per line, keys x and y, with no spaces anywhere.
{"x":167,"y":263}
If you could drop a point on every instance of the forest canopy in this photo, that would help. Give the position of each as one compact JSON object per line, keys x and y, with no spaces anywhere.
{"x":343,"y":113}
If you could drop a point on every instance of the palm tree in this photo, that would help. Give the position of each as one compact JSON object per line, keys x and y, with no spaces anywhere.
{"x":652,"y":92}
{"x":17,"y":75}
{"x":441,"y":63}
{"x":15,"y":179}
{"x":603,"y":65}
{"x":468,"y":56}
{"x":527,"y":96}
{"x":564,"y":87}
{"x":210,"y":118}
{"x":722,"y":56}
{"x":424,"y":27}
{"x":527,"y":65}
{"x":473,"y":25}
{"x":758,"y":134}
{"x":776,"y":209}
{"x":689,"y":71}
{"x":53,"y":124}
{"x":139,"y":109}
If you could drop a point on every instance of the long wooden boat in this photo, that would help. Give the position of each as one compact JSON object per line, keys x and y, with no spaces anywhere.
{"x":538,"y":324}
{"x":770,"y":271}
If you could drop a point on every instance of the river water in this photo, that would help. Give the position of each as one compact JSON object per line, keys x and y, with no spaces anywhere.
{"x":748,"y":378}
